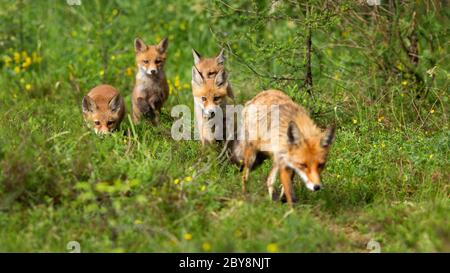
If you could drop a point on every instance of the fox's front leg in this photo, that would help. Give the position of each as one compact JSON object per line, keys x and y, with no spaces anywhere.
{"x":271,"y":180}
{"x":283,"y":196}
{"x":249,"y":159}
{"x":286,"y":181}
{"x":144,"y":108}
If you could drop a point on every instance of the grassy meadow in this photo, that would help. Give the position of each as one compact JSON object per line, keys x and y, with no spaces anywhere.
{"x":138,"y":190}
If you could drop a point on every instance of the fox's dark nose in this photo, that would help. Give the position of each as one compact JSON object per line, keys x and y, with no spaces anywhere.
{"x":153,"y":71}
{"x":212,"y":114}
{"x":316,"y":187}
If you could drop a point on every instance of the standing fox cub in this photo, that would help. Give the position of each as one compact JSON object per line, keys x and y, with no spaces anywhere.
{"x":103,"y":109}
{"x":210,"y":88}
{"x":151,"y":89}
{"x":291,"y":139}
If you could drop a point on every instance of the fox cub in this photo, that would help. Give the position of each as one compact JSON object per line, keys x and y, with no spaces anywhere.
{"x":291,"y":139}
{"x":210,"y":89}
{"x":103,"y":109}
{"x":151,"y":89}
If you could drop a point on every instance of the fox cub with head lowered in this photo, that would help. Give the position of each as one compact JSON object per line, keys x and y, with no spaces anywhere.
{"x":103,"y":109}
{"x":151,"y":89}
{"x":274,"y":126}
{"x":210,"y":88}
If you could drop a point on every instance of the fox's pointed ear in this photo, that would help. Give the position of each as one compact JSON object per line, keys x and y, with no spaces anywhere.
{"x":293,"y":134}
{"x":115,"y":103}
{"x":88,"y":105}
{"x":220,"y":59}
{"x":162,"y":46}
{"x":328,"y":136}
{"x":196,"y":55}
{"x":230,"y":93}
{"x":221,"y":78}
{"x":197,"y":78}
{"x":139,"y":45}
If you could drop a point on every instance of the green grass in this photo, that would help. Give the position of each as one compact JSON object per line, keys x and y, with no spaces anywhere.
{"x":386,"y":178}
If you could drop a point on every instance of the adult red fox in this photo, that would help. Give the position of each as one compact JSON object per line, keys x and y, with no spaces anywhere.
{"x":103,"y":109}
{"x":151,"y":89}
{"x":274,"y":126}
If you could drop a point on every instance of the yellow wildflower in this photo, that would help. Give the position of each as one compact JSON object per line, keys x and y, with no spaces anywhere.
{"x":177,"y":82}
{"x":188,"y":179}
{"x":27,"y":62}
{"x":102,"y":72}
{"x":404,"y":83}
{"x":432,"y":111}
{"x":272,"y":248}
{"x":170,"y":86}
{"x":380,"y":118}
{"x":187,"y":236}
{"x":17,"y":69}
{"x":129,"y":71}
{"x":186,"y":86}
{"x":16,"y":57}
{"x":176,"y":181}
{"x":28,"y":87}
{"x":137,"y":222}
{"x":206,"y":246}
{"x":355,"y":121}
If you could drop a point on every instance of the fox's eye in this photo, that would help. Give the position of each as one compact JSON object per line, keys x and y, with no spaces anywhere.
{"x":216,"y":98}
{"x":203,"y":98}
{"x":321,"y":165}
{"x":97,"y":122}
{"x":111,"y":122}
{"x":303,"y":166}
{"x":158,"y":61}
{"x":145,"y":61}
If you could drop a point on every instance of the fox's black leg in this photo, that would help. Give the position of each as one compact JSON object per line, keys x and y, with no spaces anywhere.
{"x":142,"y":105}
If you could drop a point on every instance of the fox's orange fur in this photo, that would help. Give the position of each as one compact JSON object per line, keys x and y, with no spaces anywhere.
{"x":211,"y":90}
{"x":295,"y":143}
{"x":210,"y":67}
{"x":151,"y":89}
{"x":103,"y":109}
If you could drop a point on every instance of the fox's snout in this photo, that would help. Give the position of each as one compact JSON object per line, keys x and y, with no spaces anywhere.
{"x":313,"y":187}
{"x":210,"y":113}
{"x":102,"y":131}
{"x":151,"y":71}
